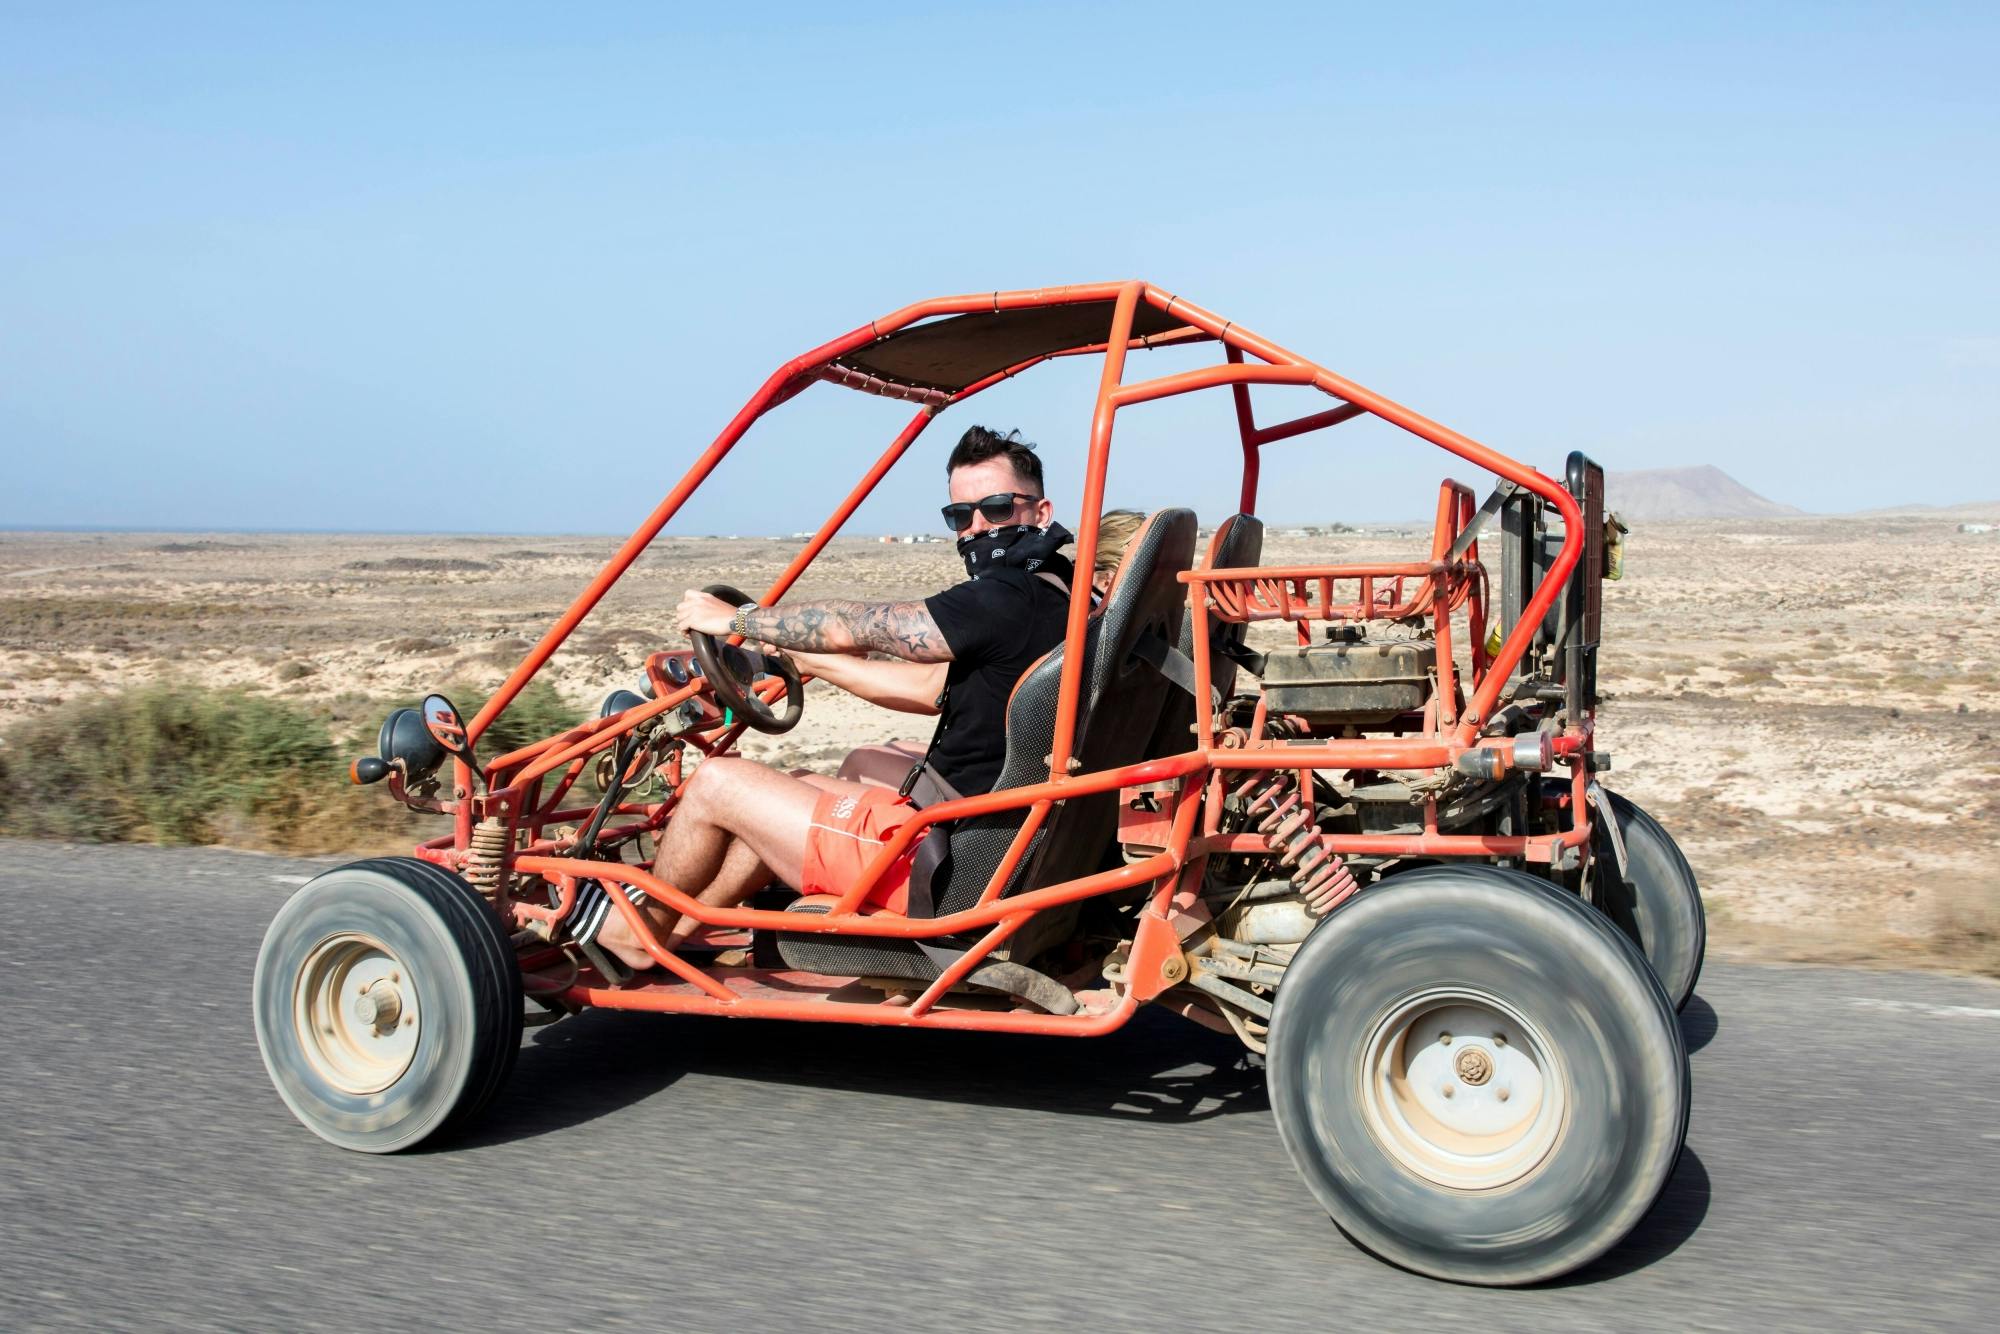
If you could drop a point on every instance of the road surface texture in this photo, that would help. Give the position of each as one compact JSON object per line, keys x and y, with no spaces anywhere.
{"x":687,"y":1174}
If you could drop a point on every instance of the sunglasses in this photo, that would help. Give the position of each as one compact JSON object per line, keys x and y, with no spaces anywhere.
{"x":996,"y":509}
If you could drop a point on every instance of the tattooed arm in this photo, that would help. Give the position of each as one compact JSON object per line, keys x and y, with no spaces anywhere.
{"x":906,"y":687}
{"x":900,"y":629}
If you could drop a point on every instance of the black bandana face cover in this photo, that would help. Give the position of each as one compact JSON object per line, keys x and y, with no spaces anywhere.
{"x":1018,"y":546}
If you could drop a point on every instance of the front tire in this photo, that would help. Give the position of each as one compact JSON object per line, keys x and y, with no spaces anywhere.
{"x":388,"y":1004}
{"x":1479,"y":1079}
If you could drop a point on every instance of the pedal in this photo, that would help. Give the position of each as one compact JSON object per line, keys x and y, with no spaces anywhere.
{"x":617,"y":974}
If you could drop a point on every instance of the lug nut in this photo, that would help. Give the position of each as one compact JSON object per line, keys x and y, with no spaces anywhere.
{"x":1445,"y":1038}
{"x":1503,"y":1093}
{"x":1499,"y":1039}
{"x":1449,"y":1089}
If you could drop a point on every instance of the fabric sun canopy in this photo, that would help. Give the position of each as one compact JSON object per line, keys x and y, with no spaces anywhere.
{"x":945,"y":356}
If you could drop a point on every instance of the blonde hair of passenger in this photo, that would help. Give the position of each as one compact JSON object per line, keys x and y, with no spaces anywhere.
{"x":1114,"y":533}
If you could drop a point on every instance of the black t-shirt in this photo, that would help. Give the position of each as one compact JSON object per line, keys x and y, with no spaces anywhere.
{"x":996,"y":625}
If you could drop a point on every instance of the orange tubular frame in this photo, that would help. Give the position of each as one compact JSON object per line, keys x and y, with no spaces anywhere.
{"x":1435,"y":588}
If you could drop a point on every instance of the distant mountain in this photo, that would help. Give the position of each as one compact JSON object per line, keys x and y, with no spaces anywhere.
{"x":1706,"y":492}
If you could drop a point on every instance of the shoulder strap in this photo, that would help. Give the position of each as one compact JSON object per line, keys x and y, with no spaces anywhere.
{"x":921,"y":767}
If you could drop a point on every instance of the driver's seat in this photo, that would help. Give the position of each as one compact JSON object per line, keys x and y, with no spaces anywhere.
{"x":1120,"y":707}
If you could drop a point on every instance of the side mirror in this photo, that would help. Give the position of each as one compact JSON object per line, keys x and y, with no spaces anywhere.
{"x":442,"y":722}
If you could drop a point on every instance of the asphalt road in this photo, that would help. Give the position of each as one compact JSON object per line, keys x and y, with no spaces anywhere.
{"x":685,"y":1174}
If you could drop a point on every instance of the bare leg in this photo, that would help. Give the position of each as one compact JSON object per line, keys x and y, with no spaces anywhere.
{"x":742,"y":874}
{"x":738,"y":826}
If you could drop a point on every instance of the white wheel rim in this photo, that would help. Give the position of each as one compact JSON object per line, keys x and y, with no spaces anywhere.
{"x":355,"y":1011}
{"x":1460,"y":1089}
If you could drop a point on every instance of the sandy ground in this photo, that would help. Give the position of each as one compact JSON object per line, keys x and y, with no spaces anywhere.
{"x":1811,"y":705}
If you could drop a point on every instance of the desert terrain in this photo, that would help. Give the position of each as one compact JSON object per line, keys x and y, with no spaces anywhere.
{"x":1811,"y":705}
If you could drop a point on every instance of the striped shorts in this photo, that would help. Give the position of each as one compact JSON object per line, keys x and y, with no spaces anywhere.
{"x":593,"y":908}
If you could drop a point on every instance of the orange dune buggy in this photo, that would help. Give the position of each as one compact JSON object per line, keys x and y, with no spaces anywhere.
{"x":1375,"y":850}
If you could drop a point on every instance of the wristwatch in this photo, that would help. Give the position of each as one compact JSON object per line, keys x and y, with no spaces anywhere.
{"x":739,"y":624}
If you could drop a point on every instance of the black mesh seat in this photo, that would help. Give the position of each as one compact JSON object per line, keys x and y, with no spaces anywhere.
{"x":1121,"y":704}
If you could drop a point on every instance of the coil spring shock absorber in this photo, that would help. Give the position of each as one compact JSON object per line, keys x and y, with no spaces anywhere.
{"x":1285,"y":818}
{"x":485,"y":860}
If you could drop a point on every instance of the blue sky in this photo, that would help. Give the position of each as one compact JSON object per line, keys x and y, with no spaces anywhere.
{"x":276,"y":266}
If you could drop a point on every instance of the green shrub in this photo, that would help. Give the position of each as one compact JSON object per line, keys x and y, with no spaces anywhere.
{"x":187,"y":764}
{"x":164,"y":764}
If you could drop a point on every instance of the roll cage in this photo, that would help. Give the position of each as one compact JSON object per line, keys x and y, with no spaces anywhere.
{"x":508,"y":813}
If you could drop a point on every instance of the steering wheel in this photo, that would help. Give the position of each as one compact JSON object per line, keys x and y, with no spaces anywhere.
{"x":729,"y":669}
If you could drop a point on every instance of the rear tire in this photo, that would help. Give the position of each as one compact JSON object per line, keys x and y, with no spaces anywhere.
{"x":388,"y":1004}
{"x":1656,"y":902}
{"x":1477,"y":1076}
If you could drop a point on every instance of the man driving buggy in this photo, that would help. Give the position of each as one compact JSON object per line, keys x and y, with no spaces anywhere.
{"x":740,"y":825}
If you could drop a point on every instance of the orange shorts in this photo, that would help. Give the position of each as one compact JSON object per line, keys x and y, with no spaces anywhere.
{"x":848,"y":830}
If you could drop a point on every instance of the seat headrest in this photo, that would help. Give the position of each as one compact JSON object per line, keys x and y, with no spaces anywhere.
{"x":1145,"y":589}
{"x":1238,"y":542}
